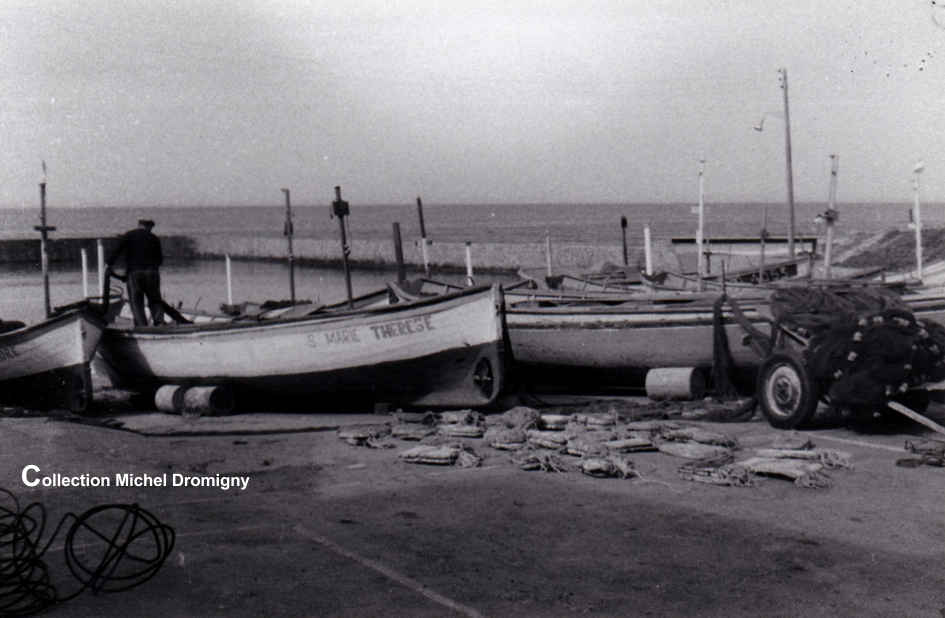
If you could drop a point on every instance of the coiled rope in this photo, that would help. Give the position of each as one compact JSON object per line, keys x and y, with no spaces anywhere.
{"x":108,"y":548}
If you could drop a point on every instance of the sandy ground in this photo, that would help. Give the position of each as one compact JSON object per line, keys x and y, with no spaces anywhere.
{"x":329,"y":529}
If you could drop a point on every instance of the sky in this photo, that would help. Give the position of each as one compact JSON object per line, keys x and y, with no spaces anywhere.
{"x":205,"y":102}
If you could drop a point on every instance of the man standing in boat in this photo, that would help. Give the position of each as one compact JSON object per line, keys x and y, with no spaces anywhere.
{"x":143,"y":256}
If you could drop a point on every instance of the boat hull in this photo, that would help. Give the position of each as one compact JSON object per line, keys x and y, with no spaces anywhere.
{"x":617,"y":344}
{"x":442,"y":352}
{"x":598,"y":338}
{"x":46,"y":365}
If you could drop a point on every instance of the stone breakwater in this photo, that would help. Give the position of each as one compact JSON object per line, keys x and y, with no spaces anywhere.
{"x":494,"y":257}
{"x":449,"y":256}
{"x":17,"y":250}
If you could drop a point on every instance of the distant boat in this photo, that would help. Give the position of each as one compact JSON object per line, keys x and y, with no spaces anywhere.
{"x":622,"y":279}
{"x":46,"y":365}
{"x":445,"y":351}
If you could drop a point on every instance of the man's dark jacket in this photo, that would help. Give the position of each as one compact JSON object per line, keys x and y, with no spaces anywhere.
{"x":141,"y":248}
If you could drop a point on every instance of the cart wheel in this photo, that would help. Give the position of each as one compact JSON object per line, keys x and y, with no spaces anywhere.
{"x":787,"y":395}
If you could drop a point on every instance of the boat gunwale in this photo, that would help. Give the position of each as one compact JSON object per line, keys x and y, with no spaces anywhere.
{"x":228,"y":327}
{"x":31,"y":331}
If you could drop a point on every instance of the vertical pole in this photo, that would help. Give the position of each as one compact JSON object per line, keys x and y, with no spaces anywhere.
{"x":289,"y":233}
{"x":623,"y":233}
{"x":647,"y":249}
{"x":700,"y":232}
{"x":831,"y":216}
{"x":229,"y":281}
{"x":85,"y":273}
{"x":100,"y":255}
{"x":763,"y":237}
{"x":917,"y":215}
{"x":43,"y":230}
{"x":548,"y":254}
{"x":789,"y":167}
{"x":469,"y":267}
{"x":423,"y":237}
{"x":399,"y":253}
{"x":341,"y":210}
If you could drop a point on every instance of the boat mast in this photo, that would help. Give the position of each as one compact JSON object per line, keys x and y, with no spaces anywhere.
{"x":43,"y":230}
{"x":289,"y":232}
{"x":700,"y":233}
{"x":423,"y":238}
{"x":341,"y":210}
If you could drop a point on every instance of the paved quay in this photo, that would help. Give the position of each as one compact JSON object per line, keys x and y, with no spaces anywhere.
{"x":324,"y":528}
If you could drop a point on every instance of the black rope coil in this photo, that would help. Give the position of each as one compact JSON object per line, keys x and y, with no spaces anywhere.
{"x":108,"y":548}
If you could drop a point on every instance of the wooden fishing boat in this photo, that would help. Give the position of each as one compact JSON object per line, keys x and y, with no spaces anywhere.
{"x":609,"y":339}
{"x":625,"y":280}
{"x":268,"y":310}
{"x":615,"y":280}
{"x":46,"y":365}
{"x":607,"y":342}
{"x":445,"y":351}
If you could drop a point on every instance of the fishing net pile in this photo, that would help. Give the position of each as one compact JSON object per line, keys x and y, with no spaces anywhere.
{"x":865,"y":347}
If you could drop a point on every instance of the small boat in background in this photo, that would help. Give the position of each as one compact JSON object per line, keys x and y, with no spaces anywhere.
{"x":445,"y":351}
{"x":46,"y":365}
{"x":610,"y":279}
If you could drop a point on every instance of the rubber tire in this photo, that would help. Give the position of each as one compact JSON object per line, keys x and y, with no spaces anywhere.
{"x":786,"y":394}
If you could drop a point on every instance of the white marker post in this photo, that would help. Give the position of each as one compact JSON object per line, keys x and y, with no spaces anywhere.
{"x":469,"y":267}
{"x":100,"y":254}
{"x":647,"y":249}
{"x":229,"y":281}
{"x":548,"y":254}
{"x":85,"y":273}
{"x":917,"y":215}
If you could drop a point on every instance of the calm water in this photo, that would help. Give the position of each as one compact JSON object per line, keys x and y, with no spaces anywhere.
{"x":204,"y":282}
{"x":200,"y":282}
{"x":507,"y":223}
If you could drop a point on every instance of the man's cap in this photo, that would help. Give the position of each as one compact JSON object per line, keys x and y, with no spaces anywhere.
{"x":147,"y":222}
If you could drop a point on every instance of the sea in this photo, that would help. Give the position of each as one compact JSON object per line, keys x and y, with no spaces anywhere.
{"x":204,"y":283}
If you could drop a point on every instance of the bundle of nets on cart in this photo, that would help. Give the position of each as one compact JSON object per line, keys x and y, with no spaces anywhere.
{"x":864,"y":345}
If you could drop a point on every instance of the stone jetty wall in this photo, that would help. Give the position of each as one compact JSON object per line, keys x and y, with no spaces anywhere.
{"x":70,"y":249}
{"x":493,"y":257}
{"x":489,"y":257}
